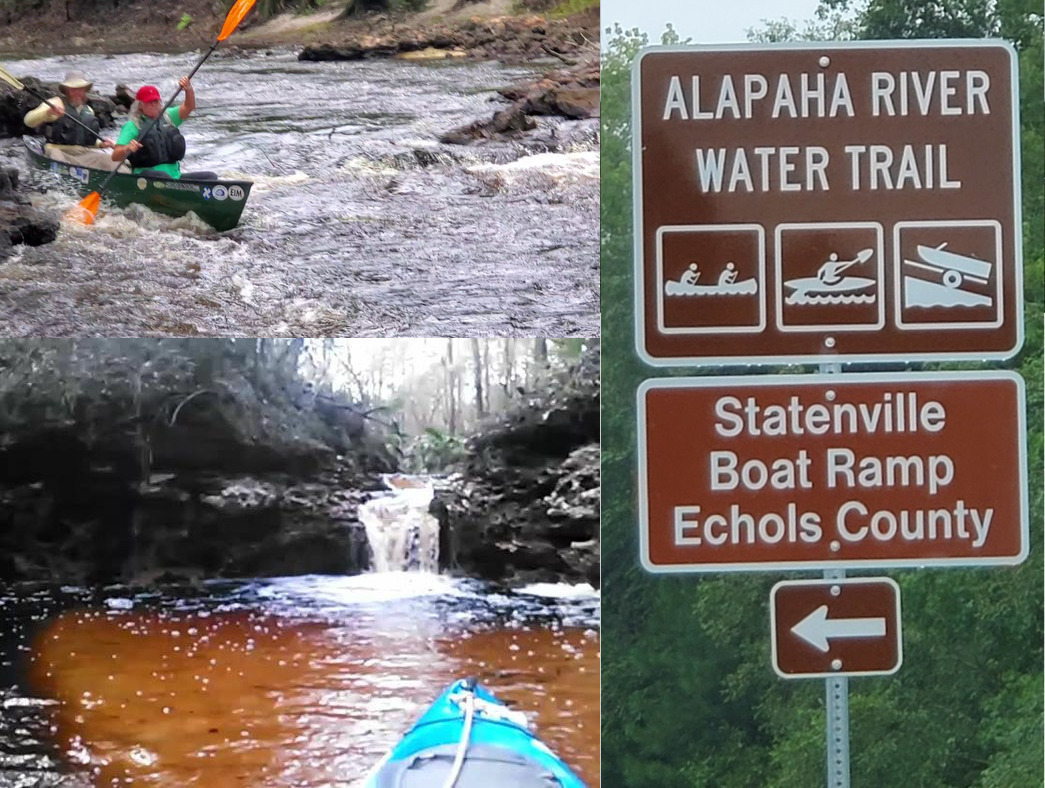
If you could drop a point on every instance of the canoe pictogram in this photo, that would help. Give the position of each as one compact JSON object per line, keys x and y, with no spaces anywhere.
{"x":726,"y":284}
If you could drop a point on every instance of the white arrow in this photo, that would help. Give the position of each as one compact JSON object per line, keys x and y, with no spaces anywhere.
{"x":817,"y":628}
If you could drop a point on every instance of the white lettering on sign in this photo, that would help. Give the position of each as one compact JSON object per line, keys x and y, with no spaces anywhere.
{"x":891,"y":94}
{"x":815,"y":95}
{"x":835,"y":466}
{"x":731,"y":170}
{"x":820,"y":95}
{"x":934,"y":471}
{"x":727,"y":472}
{"x":794,"y":168}
{"x":896,"y":412}
{"x":855,"y":523}
{"x":883,"y":169}
{"x":873,"y":167}
{"x":737,"y":527}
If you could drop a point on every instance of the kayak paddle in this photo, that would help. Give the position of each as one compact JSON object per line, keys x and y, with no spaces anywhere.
{"x":19,"y":85}
{"x":88,"y":206}
{"x":862,"y":257}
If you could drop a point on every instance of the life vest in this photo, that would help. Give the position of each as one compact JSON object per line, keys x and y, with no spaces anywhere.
{"x":65,"y":130}
{"x":164,"y":144}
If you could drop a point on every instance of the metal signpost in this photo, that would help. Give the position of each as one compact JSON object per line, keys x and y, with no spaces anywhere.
{"x":827,"y":202}
{"x":833,"y":472}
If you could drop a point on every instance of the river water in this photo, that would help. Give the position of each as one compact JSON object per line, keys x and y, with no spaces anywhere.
{"x":300,"y":682}
{"x":360,"y":222}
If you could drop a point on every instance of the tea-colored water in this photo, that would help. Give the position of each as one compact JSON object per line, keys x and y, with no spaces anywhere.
{"x":244,"y":697}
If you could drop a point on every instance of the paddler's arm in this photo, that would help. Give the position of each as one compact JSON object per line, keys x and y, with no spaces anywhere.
{"x":121,"y":152}
{"x":44,"y":114}
{"x":190,"y":98}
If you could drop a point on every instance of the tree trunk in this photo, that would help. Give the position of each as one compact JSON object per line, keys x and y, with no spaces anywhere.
{"x":451,"y":386}
{"x":486,"y":374}
{"x":509,"y":368}
{"x":480,"y":410}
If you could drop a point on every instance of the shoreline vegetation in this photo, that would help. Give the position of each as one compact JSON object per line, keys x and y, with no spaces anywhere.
{"x":513,"y":31}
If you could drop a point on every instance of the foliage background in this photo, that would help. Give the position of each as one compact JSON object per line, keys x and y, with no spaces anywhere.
{"x":689,"y":696}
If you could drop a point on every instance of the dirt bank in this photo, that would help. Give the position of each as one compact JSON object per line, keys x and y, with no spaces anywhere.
{"x":58,"y":28}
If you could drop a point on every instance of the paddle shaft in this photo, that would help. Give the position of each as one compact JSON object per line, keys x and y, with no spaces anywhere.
{"x":864,"y":255}
{"x":159,"y":115}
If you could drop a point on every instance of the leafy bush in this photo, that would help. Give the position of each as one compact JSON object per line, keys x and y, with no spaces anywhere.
{"x":434,"y":451}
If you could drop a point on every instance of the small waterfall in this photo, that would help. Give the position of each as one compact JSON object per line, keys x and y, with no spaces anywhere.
{"x":403,"y":536}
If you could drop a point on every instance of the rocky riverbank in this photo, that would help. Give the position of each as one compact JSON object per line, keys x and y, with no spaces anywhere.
{"x":125,"y":460}
{"x":141,"y":461}
{"x":496,"y":30}
{"x":526,"y":507}
{"x":20,"y":223}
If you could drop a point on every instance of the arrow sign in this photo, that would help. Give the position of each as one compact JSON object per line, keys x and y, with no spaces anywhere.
{"x":852,"y":625}
{"x":816,"y":628}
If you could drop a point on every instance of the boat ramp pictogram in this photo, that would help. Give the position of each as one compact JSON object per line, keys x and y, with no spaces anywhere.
{"x":957,"y":270}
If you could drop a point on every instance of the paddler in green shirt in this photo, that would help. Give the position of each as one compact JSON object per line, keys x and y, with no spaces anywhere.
{"x":160,"y":152}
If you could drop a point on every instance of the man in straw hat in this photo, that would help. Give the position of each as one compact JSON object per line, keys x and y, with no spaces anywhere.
{"x":68,"y":141}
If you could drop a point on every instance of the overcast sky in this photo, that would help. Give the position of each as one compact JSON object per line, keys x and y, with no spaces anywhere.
{"x":705,"y":21}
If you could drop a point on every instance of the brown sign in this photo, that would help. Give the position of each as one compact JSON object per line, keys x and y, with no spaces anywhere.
{"x":818,"y":471}
{"x":836,"y":627}
{"x":827,"y":201}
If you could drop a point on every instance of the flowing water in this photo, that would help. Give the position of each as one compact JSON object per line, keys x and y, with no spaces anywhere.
{"x":360,"y":222}
{"x":401,"y":532}
{"x":298,"y":682}
{"x":301,"y":682}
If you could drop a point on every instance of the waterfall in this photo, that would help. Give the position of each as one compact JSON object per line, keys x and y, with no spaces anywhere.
{"x":403,"y":536}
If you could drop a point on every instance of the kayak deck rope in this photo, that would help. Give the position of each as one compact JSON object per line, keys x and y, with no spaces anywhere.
{"x":466,"y":733}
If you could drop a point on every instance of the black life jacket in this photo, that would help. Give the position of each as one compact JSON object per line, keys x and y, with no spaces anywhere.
{"x":162,"y":145}
{"x":65,"y":131}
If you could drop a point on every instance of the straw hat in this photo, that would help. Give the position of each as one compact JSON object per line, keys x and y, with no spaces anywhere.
{"x":75,"y":79}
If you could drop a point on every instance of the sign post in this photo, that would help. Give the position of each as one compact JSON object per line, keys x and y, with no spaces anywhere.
{"x":827,"y":203}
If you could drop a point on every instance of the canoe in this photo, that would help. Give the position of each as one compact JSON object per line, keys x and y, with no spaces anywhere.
{"x":498,"y":748}
{"x":219,"y":203}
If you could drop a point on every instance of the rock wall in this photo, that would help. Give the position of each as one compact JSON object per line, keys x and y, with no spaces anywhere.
{"x":124,"y":460}
{"x":526,"y":507}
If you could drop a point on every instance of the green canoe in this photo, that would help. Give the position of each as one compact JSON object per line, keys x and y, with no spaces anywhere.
{"x":218,"y":203}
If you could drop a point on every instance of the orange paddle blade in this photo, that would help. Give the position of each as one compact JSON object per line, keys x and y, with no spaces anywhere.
{"x":240,"y":10}
{"x":85,"y":211}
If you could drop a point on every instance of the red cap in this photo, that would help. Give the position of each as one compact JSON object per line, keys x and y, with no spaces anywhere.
{"x":147,"y":94}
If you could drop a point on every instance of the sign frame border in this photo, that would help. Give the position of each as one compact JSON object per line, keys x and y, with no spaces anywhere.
{"x":833,"y":357}
{"x":837,"y":673}
{"x":897,"y":378}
